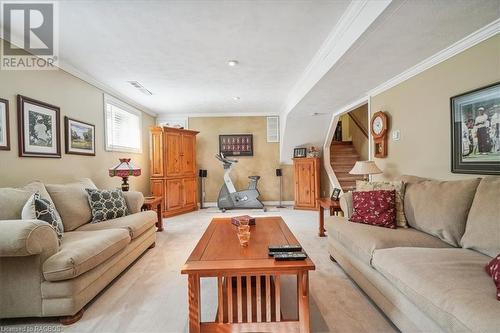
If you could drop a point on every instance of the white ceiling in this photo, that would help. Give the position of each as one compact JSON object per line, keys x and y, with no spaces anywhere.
{"x":179,"y":50}
{"x":406,"y":33}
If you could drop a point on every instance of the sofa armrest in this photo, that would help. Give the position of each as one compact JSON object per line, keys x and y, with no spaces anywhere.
{"x":134,"y":200}
{"x":27,"y":237}
{"x":346,"y":204}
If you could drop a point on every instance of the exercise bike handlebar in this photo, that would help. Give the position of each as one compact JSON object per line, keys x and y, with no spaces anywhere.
{"x":223,"y":159}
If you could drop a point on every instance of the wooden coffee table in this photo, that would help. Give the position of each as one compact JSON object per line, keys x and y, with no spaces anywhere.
{"x":248,"y":280}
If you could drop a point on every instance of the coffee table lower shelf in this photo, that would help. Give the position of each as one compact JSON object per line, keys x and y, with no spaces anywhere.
{"x":250,"y":307}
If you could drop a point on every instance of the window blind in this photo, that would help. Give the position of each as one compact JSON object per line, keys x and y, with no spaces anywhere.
{"x":123,"y":127}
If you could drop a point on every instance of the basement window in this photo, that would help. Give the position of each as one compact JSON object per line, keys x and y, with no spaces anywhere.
{"x":123,"y":129}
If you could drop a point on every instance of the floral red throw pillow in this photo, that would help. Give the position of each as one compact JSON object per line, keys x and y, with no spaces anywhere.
{"x":493,"y":270}
{"x":375,"y":208}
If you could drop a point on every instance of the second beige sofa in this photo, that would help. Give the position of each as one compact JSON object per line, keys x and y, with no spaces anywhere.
{"x":429,"y":277}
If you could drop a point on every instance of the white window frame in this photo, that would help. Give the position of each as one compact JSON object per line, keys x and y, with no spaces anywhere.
{"x":116,"y":102}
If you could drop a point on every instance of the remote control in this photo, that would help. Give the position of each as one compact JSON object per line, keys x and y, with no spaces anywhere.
{"x":292,"y":256}
{"x":272,"y":254}
{"x":285,"y":248}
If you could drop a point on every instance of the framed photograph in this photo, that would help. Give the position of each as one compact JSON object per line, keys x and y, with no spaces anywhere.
{"x":299,"y":152}
{"x":39,"y":128}
{"x":79,"y":137}
{"x":475,"y":131}
{"x":335,"y":194}
{"x":236,"y":144}
{"x":4,"y":125}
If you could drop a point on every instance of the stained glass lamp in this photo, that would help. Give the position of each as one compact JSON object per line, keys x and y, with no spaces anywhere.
{"x":124,"y":169}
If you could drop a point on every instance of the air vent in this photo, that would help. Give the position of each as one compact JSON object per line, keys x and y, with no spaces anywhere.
{"x":140,"y":87}
{"x":273,"y":129}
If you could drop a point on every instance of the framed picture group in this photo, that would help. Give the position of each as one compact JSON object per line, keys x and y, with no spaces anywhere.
{"x":39,"y":130}
{"x":236,"y":144}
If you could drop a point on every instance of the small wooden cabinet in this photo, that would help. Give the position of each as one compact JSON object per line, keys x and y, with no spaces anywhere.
{"x":307,"y":182}
{"x":173,"y":169}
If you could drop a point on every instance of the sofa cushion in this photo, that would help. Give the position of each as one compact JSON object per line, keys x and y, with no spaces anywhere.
{"x":449,"y":285}
{"x":135,"y":224}
{"x":71,"y":202}
{"x":81,"y":251}
{"x":375,"y":208}
{"x":440,"y":208}
{"x":482,"y":231}
{"x":398,"y":186}
{"x":361,"y":239}
{"x":12,"y":201}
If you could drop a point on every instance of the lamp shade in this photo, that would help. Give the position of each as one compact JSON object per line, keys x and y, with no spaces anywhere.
{"x":124,"y":169}
{"x":365,"y":168}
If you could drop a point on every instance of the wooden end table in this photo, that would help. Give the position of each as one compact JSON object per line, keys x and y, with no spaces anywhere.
{"x":154,"y":203}
{"x":248,"y":280}
{"x":333,"y":206}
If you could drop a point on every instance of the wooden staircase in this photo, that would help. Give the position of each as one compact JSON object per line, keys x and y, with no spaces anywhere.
{"x":343,"y":156}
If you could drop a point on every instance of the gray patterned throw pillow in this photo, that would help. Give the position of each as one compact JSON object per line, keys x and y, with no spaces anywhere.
{"x":106,"y":204}
{"x":43,"y":210}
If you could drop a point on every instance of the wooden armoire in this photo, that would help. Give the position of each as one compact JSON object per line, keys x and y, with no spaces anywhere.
{"x":307,"y":182}
{"x":173,"y":169}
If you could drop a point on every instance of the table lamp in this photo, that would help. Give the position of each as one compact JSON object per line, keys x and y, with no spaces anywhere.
{"x":365,"y":168}
{"x":124,"y":169}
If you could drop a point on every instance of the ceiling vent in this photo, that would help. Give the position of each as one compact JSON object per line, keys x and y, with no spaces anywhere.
{"x":140,"y":87}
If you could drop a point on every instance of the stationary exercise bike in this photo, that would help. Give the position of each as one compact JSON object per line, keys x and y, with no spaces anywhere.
{"x":229,"y":198}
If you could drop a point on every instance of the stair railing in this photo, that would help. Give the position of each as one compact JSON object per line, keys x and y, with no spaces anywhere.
{"x":359,"y":124}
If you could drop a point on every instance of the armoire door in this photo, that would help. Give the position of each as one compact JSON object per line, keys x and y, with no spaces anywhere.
{"x":189,"y":188}
{"x":188,"y":154}
{"x":173,"y":154}
{"x":304,"y":187}
{"x":156,"y":141}
{"x":158,"y":190}
{"x":174,"y":193}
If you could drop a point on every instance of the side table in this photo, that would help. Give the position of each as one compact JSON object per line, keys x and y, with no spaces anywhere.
{"x":154,"y":203}
{"x":333,"y":206}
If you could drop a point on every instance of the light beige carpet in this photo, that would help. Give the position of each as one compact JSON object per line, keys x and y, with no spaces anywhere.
{"x":151,"y":296}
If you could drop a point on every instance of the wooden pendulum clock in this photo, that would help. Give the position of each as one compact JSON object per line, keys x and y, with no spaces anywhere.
{"x":379,"y":125}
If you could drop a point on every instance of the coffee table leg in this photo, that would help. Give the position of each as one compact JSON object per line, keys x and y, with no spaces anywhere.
{"x":303,"y":295}
{"x":159,"y":224}
{"x":321,"y":222}
{"x":194,"y":303}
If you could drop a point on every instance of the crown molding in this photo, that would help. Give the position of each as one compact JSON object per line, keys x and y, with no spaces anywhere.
{"x":465,"y":43}
{"x":104,"y":87}
{"x":358,"y":16}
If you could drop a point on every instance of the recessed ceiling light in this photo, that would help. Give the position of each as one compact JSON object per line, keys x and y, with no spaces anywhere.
{"x":236,"y":98}
{"x":314,"y":114}
{"x":232,"y":63}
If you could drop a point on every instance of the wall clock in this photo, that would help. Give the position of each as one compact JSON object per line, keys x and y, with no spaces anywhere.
{"x":379,"y":125}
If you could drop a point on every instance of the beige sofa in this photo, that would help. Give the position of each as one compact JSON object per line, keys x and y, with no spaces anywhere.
{"x":429,"y":277}
{"x":40,"y":277}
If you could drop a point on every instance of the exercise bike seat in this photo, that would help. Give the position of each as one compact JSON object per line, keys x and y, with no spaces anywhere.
{"x":254,"y":177}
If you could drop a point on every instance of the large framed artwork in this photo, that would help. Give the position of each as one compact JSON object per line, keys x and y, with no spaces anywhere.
{"x":236,"y":144}
{"x":475,"y":131}
{"x":39,"y":128}
{"x":79,"y":137}
{"x":4,"y":125}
